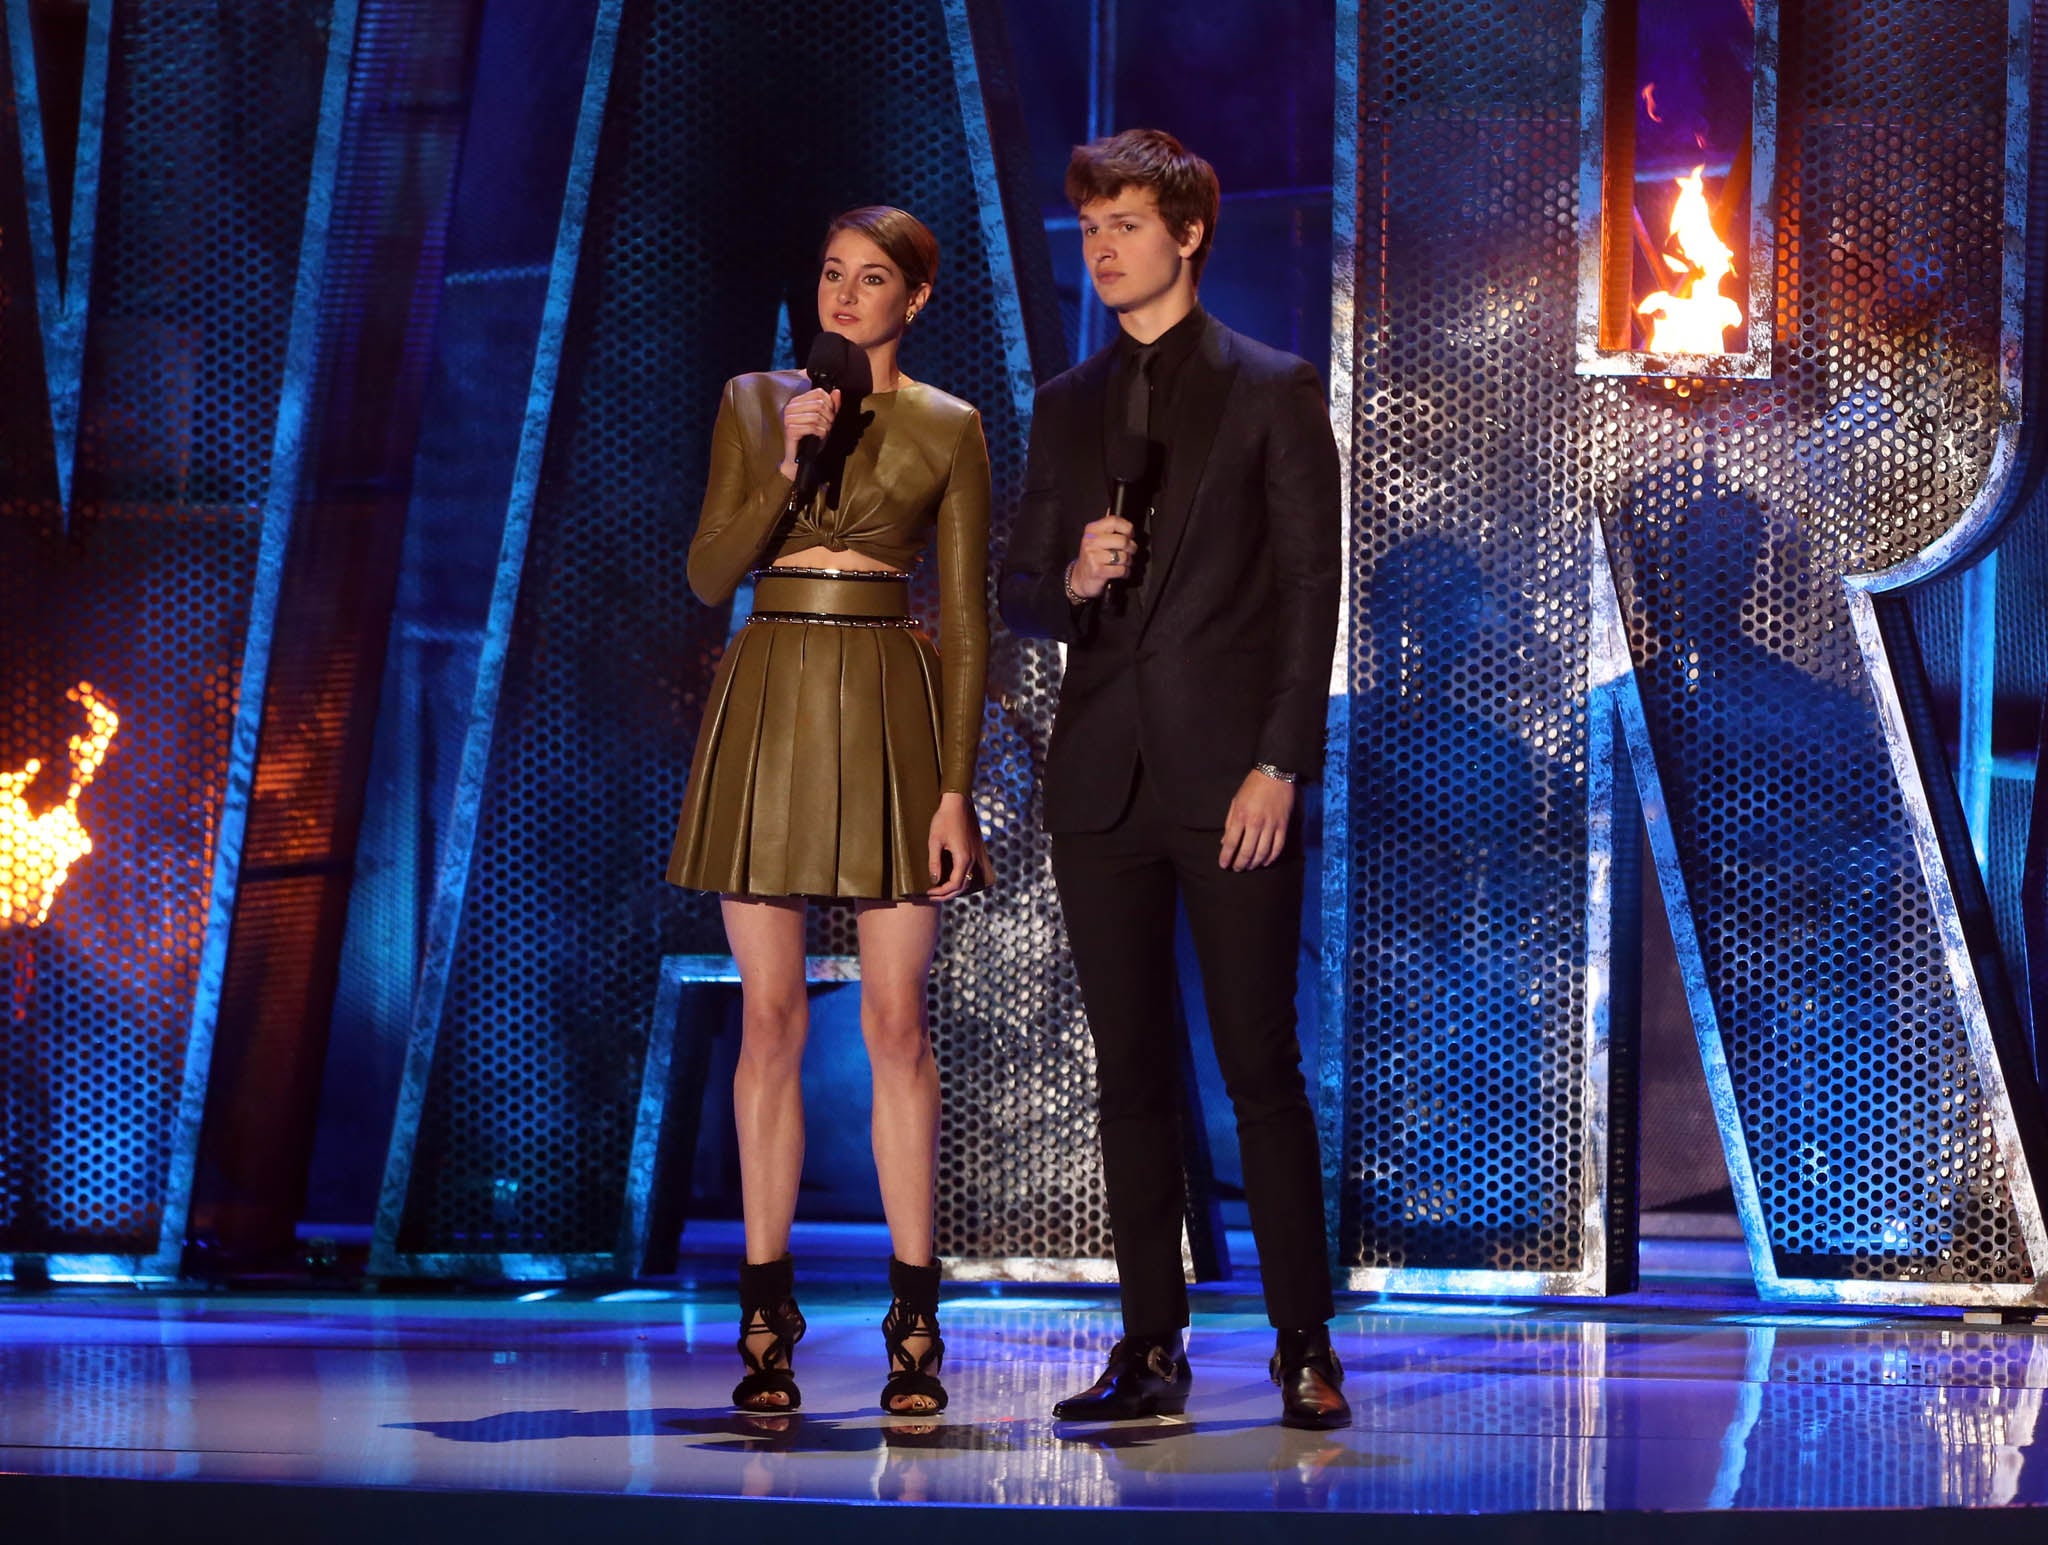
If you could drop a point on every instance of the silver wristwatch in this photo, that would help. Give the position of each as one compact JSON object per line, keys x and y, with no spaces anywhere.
{"x":1277,"y":774}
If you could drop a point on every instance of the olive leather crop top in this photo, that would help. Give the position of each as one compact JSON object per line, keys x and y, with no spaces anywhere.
{"x":919,"y":463}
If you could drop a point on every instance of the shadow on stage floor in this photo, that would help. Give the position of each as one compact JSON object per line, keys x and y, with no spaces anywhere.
{"x":1686,"y":1411}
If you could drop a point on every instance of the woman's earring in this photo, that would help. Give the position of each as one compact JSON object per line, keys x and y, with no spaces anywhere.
{"x":910,"y":316}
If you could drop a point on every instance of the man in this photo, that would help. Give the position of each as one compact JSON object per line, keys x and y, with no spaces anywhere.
{"x":1199,"y":623}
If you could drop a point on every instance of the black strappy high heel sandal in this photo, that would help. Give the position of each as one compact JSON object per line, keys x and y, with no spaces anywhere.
{"x":914,"y":1312}
{"x":768,"y":1307}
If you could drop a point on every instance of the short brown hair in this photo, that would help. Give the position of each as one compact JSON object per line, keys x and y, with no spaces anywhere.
{"x":1182,"y":182}
{"x":904,"y":239}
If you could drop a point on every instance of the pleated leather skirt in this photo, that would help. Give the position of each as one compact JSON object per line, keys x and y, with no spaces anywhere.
{"x":817,"y":769}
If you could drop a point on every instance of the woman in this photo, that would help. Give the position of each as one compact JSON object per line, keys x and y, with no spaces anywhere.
{"x":835,"y":760}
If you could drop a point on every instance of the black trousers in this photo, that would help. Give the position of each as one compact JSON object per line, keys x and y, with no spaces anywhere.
{"x":1118,"y":889}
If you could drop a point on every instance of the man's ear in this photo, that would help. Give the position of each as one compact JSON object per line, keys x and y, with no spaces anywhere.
{"x":1191,"y":239}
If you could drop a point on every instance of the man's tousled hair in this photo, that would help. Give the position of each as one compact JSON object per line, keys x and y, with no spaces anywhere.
{"x":1182,"y":182}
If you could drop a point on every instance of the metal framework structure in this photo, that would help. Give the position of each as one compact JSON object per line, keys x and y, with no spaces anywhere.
{"x":1787,"y":626}
{"x":1564,"y":589}
{"x":145,"y":510}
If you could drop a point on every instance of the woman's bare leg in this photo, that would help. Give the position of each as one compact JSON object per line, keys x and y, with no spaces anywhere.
{"x":767,"y":939}
{"x":896,"y":944}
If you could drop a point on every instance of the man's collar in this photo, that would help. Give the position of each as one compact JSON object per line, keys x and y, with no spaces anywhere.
{"x":1173,"y":345}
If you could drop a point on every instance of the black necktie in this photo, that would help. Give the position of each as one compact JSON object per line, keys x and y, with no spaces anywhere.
{"x":1138,"y":420}
{"x":1138,"y":391}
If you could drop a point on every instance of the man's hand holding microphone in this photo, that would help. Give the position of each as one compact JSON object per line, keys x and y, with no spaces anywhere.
{"x":1109,"y":546}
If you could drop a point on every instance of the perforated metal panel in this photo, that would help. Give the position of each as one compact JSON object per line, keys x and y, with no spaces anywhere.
{"x":209,"y":139}
{"x":525,"y":1121}
{"x":1853,"y":1085}
{"x":399,"y":133}
{"x":1464,"y":1083}
{"x":1020,"y":1179}
{"x":1871,"y":1128}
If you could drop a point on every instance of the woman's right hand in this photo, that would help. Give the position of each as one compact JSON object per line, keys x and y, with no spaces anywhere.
{"x":807,"y":413}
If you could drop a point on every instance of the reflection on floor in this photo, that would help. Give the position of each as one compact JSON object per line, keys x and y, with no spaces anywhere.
{"x":1462,"y":1408}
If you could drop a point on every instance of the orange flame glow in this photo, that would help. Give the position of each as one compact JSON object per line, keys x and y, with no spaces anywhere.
{"x":37,"y":851}
{"x":1693,"y":320}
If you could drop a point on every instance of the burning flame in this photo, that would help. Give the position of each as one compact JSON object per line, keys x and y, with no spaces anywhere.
{"x":1693,"y":320}
{"x":37,"y":851}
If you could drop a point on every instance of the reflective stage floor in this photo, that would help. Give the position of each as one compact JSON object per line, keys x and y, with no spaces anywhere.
{"x":1688,"y":1414}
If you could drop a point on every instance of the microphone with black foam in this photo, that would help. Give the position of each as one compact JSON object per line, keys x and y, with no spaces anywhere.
{"x":834,"y":365}
{"x":1127,"y":458}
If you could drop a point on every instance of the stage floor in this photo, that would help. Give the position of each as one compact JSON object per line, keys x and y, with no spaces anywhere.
{"x":1623,"y":1408}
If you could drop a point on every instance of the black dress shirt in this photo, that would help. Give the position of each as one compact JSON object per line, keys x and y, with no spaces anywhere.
{"x":1167,"y":354}
{"x":1142,"y":380}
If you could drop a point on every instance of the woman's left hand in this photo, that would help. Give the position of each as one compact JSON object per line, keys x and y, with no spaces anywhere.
{"x":957,"y":832}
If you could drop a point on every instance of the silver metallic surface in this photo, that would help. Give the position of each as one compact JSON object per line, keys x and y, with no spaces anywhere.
{"x":820,"y":620}
{"x":1332,"y":977}
{"x":1028,"y":1268}
{"x":852,"y":576}
{"x":1593,"y":1155}
{"x":988,"y":198}
{"x":63,"y":282}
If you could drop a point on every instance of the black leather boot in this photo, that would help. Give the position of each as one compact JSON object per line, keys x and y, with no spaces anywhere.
{"x":1311,"y":1380}
{"x":1146,"y":1376}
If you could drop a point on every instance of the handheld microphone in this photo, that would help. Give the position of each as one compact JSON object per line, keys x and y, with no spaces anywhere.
{"x":1126,"y":458}
{"x":833,"y":364}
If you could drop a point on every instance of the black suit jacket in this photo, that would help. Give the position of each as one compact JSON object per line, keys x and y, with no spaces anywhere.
{"x":1227,"y":662}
